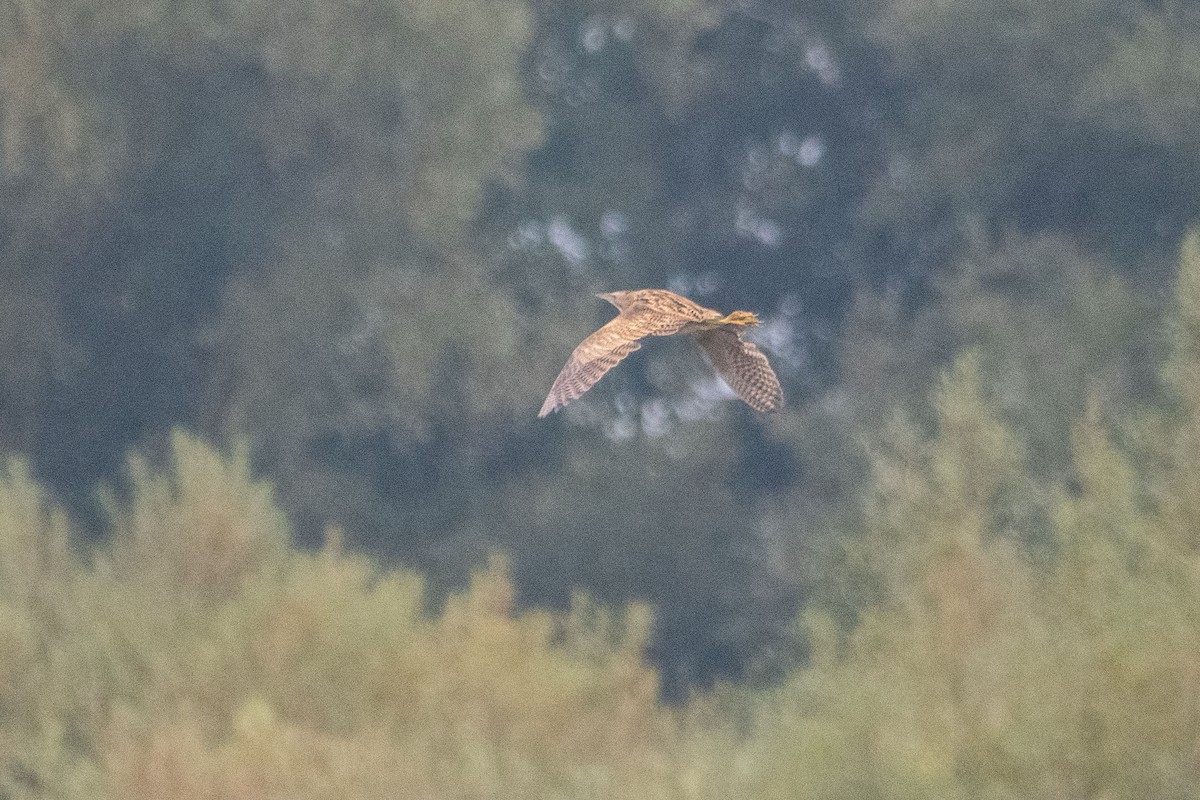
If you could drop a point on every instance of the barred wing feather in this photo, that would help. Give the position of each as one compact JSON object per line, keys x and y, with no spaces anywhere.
{"x":744,"y":368}
{"x":603,"y":350}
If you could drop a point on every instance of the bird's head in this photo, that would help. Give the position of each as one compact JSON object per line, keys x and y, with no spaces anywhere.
{"x":618,"y":299}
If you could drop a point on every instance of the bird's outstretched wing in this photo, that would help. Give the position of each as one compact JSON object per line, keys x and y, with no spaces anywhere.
{"x":744,"y":368}
{"x":604,"y":349}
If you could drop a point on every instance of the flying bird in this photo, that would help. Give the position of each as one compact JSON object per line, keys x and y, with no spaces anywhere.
{"x":657,"y":312}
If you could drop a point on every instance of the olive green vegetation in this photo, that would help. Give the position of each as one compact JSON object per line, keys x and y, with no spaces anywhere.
{"x":987,"y":667}
{"x":200,"y":653}
{"x":352,"y":243}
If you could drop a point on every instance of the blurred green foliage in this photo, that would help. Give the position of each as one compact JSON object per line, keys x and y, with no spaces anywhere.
{"x":199,"y":653}
{"x":985,"y":667}
{"x":1013,"y":637}
{"x":360,"y":239}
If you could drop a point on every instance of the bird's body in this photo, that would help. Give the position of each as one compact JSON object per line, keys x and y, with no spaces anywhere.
{"x":657,"y":312}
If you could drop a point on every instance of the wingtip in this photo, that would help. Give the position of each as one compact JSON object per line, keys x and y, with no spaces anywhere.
{"x":772,"y":405}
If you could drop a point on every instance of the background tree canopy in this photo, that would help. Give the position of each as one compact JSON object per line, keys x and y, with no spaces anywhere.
{"x":337,"y":252}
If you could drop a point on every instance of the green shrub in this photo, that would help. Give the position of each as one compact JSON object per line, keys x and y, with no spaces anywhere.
{"x":200,"y":654}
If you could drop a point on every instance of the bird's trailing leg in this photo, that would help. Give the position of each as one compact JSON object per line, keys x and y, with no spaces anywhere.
{"x":741,"y":319}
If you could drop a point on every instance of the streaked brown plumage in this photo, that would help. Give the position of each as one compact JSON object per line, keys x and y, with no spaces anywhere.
{"x":657,"y":312}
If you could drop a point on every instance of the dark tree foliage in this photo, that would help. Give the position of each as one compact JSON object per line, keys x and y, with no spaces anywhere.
{"x":362,"y":238}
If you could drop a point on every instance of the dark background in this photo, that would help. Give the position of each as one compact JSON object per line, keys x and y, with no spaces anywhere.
{"x":364,"y":238}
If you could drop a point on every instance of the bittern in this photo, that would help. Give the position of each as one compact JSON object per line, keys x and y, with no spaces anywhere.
{"x":657,"y":312}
